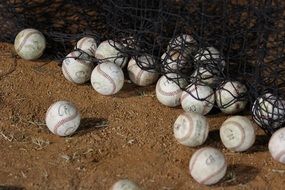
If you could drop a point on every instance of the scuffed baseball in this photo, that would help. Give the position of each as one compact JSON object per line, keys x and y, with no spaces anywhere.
{"x":167,"y":91}
{"x":208,"y":166}
{"x":212,"y":56}
{"x":62,"y":118}
{"x":191,"y":129}
{"x":198,"y":98}
{"x":125,"y":184}
{"x":109,"y":51}
{"x":30,"y":44}
{"x":107,"y":78}
{"x":88,"y":45}
{"x":76,"y":67}
{"x":269,"y":109}
{"x":205,"y":76}
{"x":231,"y":97}
{"x":276,"y":145}
{"x":174,"y":60}
{"x":237,"y":133}
{"x":139,"y":76}
{"x":182,"y":42}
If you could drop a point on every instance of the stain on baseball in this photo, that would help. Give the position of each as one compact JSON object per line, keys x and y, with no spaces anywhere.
{"x":231,"y":97}
{"x":109,"y":51}
{"x":30,"y":44}
{"x":76,"y":67}
{"x":168,"y":92}
{"x":208,"y":166}
{"x":88,"y":45}
{"x":276,"y":145}
{"x":191,"y":129}
{"x":139,"y":76}
{"x":198,"y":98}
{"x":125,"y":184}
{"x":107,"y":78}
{"x":237,"y":133}
{"x":62,"y":118}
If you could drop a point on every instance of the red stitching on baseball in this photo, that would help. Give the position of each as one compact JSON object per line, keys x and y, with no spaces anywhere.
{"x":81,"y":42}
{"x":19,"y":48}
{"x":189,"y":132}
{"x":167,"y":93}
{"x":242,"y":133}
{"x":61,"y":122}
{"x":67,"y":73}
{"x":187,"y":94}
{"x":196,"y":154}
{"x":108,"y":78}
{"x":215,"y":173}
{"x":77,"y":58}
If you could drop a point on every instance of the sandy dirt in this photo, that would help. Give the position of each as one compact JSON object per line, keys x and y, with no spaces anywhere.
{"x":128,"y":135}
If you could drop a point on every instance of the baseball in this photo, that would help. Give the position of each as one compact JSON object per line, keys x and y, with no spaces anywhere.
{"x":125,"y":184}
{"x":204,"y":75}
{"x":269,"y":110}
{"x":88,"y":45}
{"x":30,"y":44}
{"x":107,"y":78}
{"x":212,"y":56}
{"x":76,"y":67}
{"x":276,"y":145}
{"x":198,"y":98}
{"x":182,"y":42}
{"x":208,"y":166}
{"x":139,"y":76}
{"x":167,"y":91}
{"x":191,"y":129}
{"x":230,"y":97}
{"x":237,"y":133}
{"x":62,"y":118}
{"x":174,"y":60}
{"x":109,"y":51}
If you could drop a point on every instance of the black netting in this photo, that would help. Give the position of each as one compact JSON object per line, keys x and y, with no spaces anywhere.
{"x":202,"y":42}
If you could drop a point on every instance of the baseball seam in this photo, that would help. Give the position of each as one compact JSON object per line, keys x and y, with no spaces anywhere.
{"x":174,"y":93}
{"x":81,"y":43}
{"x":189,"y":132}
{"x":67,"y":74}
{"x":61,"y":122}
{"x":105,"y":75}
{"x":279,"y":155}
{"x":214,"y":174}
{"x":79,"y":60}
{"x":196,"y":154}
{"x":19,"y":48}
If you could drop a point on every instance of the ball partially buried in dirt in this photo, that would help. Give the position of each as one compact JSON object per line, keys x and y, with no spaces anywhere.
{"x":276,"y":145}
{"x":125,"y":184}
{"x":62,"y":118}
{"x":30,"y":44}
{"x":191,"y":129}
{"x":208,"y":166}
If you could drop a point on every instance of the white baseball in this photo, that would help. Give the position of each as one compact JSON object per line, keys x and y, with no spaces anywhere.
{"x":205,"y":76}
{"x":198,"y":98}
{"x":210,"y":55}
{"x":88,"y":45}
{"x":107,"y":78}
{"x":237,"y":133}
{"x":109,"y":51}
{"x":208,"y":166}
{"x":76,"y":67}
{"x":125,"y":184}
{"x":138,"y":75}
{"x":62,"y":118}
{"x":276,"y":145}
{"x":174,"y":60}
{"x":168,"y":92}
{"x":191,"y":129}
{"x":269,"y":110}
{"x":183,"y":41}
{"x":230,"y":97}
{"x":30,"y":44}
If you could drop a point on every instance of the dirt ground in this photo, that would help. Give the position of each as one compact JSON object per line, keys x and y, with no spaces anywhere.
{"x":128,"y":135}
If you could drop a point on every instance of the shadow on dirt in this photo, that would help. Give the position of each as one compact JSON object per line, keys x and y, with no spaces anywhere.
{"x":11,"y":188}
{"x":88,"y":125}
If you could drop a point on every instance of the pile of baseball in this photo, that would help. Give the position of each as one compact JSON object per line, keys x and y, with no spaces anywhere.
{"x":207,"y":165}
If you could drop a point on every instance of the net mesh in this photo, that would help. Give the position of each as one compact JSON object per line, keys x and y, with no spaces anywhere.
{"x":202,"y":42}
